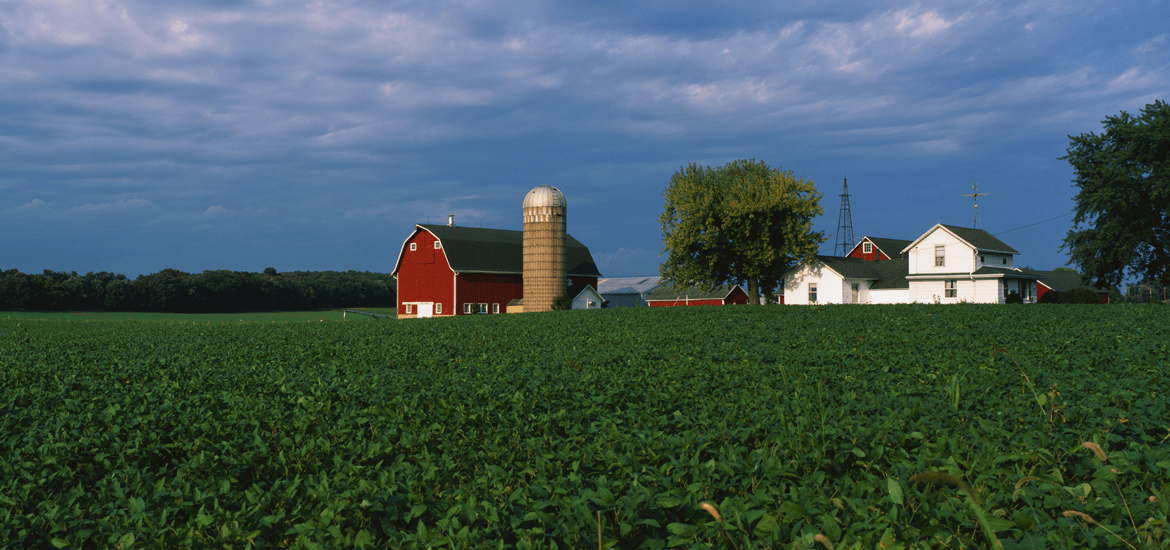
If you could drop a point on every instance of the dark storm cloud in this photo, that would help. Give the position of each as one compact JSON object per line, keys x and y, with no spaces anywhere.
{"x":312,"y":135}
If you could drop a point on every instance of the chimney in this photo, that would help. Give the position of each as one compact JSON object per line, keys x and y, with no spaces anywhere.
{"x":450,"y":220}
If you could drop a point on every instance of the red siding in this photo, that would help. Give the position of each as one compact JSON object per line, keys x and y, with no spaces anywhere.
{"x":874,"y":255}
{"x":1041,"y":290}
{"x":424,"y":275}
{"x":591,"y":281}
{"x":487,"y":288}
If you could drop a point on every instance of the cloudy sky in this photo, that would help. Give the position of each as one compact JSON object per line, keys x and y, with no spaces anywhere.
{"x":141,"y":135}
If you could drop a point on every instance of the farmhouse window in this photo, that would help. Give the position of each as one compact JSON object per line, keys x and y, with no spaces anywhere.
{"x":940,"y":253}
{"x":949,"y":289}
{"x":867,"y":248}
{"x":409,"y":309}
{"x":413,"y":247}
{"x":467,"y":309}
{"x":1005,"y":261}
{"x":482,"y":308}
{"x":495,"y":308}
{"x":812,"y":293}
{"x":438,"y":308}
{"x":438,"y":245}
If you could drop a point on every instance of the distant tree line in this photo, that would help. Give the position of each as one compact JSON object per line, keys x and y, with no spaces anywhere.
{"x":171,"y":290}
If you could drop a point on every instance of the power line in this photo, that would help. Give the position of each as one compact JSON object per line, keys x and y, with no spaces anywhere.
{"x":1070,"y":212}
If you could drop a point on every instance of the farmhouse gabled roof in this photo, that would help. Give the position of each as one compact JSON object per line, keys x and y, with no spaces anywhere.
{"x":668,"y":293}
{"x":478,"y":250}
{"x":976,"y":238}
{"x":885,"y":274}
{"x":891,"y":247}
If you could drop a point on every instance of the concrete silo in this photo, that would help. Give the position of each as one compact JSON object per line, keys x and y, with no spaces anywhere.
{"x":544,"y":247}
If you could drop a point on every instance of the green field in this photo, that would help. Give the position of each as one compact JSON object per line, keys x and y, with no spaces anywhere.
{"x":265,"y":317}
{"x":884,"y":427}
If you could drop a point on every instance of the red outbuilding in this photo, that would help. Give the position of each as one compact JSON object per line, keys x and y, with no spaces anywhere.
{"x":449,"y":270}
{"x":722,"y":295}
{"x":878,"y":248}
{"x":1061,"y":281}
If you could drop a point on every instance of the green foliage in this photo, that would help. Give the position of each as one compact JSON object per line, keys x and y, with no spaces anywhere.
{"x":1013,"y":297}
{"x":562,"y":303}
{"x":171,"y":290}
{"x":743,"y":223}
{"x":1124,"y":180}
{"x":1078,"y":296}
{"x":537,"y":431}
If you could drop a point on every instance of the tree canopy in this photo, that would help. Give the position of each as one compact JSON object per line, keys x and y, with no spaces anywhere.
{"x":743,"y":223}
{"x":171,"y":290}
{"x":1122,"y":220}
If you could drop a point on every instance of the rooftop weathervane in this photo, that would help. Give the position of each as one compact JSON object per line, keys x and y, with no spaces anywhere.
{"x":975,"y":194}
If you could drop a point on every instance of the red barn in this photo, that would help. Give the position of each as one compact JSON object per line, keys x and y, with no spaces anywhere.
{"x":722,"y":295}
{"x":877,"y":248}
{"x":451,"y":270}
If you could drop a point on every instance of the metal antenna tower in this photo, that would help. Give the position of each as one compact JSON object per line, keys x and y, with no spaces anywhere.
{"x":975,"y":194}
{"x":844,"y":223}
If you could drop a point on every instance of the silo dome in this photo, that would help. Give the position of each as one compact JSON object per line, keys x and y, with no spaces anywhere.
{"x":544,"y":195}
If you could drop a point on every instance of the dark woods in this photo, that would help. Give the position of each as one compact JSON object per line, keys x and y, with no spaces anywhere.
{"x":171,"y":290}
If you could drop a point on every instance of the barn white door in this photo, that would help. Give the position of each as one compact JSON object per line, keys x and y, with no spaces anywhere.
{"x":426,"y":310}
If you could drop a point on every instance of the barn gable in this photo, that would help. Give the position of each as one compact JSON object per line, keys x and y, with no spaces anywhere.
{"x":478,"y":250}
{"x":880,"y":248}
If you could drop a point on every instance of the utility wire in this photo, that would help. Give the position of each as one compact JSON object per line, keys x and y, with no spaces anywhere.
{"x":1037,"y":223}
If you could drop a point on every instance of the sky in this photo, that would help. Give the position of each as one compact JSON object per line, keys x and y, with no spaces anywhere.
{"x":142,"y":135}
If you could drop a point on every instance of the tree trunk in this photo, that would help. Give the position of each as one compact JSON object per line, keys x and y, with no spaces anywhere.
{"x":753,"y":291}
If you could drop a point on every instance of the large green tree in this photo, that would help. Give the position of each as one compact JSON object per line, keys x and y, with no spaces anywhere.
{"x":1122,"y":221}
{"x":743,"y":223}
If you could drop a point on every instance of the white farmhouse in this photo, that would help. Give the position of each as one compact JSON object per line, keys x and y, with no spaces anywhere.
{"x":947,"y":265}
{"x":950,"y":264}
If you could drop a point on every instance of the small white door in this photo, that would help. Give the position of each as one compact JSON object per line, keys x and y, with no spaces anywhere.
{"x":426,"y":310}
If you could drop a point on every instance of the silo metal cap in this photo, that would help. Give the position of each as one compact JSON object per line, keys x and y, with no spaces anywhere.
{"x":544,"y":195}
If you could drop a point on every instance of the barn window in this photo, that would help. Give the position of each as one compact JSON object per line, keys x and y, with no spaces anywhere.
{"x":949,"y":288}
{"x":495,"y":308}
{"x":482,"y":308}
{"x":812,"y":293}
{"x":413,"y":247}
{"x":867,"y":248}
{"x":438,"y":245}
{"x":438,"y":308}
{"x":940,"y":253}
{"x":467,"y":309}
{"x":409,"y":309}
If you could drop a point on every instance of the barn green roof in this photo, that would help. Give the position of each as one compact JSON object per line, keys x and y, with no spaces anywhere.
{"x":479,"y":250}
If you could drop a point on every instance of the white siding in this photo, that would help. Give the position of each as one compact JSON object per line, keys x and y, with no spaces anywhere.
{"x":828,"y":285}
{"x":995,"y":260}
{"x":987,"y":291}
{"x":958,"y":257}
{"x":587,"y":299}
{"x":889,"y":296}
